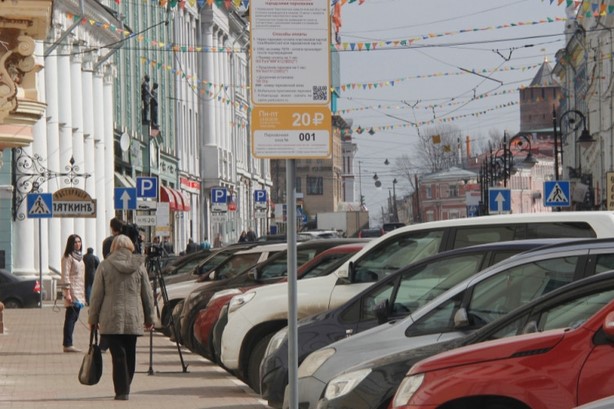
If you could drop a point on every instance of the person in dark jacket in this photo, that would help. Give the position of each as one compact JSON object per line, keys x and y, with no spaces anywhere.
{"x":91,"y":264}
{"x":121,"y":305}
{"x":116,"y":228}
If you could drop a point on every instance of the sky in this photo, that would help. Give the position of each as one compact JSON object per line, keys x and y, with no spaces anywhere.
{"x":387,"y":88}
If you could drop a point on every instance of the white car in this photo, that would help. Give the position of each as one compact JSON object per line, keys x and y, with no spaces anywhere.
{"x":248,"y":330}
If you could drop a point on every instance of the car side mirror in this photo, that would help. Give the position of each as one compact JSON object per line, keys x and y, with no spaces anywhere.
{"x":252,"y":274}
{"x":608,"y":326}
{"x":530,"y":328}
{"x":352,"y":272}
{"x":382,"y":311}
{"x":461,"y":319}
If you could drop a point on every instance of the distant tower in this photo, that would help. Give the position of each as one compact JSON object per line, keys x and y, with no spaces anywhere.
{"x":537,"y":100}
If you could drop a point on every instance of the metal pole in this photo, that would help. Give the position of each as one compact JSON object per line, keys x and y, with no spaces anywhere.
{"x":40,"y":262}
{"x":556,"y":144}
{"x":292,"y":285}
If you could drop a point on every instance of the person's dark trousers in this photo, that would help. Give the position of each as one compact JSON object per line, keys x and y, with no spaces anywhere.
{"x":70,"y":319}
{"x":123,"y":352}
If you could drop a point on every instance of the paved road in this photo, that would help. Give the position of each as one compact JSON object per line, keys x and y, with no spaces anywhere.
{"x":34,"y":372}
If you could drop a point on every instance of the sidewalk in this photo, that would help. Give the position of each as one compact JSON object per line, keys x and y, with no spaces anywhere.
{"x":34,"y":372}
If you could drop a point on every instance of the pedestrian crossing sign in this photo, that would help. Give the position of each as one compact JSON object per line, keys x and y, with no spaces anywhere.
{"x":40,"y":205}
{"x":557,"y":193}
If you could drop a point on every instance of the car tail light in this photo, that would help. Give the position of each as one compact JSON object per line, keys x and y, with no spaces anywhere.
{"x":37,"y":287}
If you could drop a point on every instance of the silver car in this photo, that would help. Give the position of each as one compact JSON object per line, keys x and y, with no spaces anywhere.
{"x":464,"y":308}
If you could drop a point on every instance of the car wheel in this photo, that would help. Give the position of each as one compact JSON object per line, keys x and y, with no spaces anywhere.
{"x":255,"y":359}
{"x":11,"y":303}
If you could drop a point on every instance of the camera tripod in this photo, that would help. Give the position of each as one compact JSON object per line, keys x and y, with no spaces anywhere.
{"x":152,"y":264}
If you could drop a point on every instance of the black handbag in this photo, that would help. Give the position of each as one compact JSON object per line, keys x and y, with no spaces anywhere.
{"x":91,"y":367}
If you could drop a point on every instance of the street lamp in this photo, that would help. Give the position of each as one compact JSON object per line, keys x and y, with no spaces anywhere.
{"x":394,"y":201}
{"x":584,"y":139}
{"x":503,"y":164}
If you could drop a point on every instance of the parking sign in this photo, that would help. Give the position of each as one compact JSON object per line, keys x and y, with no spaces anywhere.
{"x":219,"y":199}
{"x":147,"y":187}
{"x":259,"y":199}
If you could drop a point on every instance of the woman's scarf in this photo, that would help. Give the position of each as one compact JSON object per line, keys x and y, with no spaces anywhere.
{"x":77,"y":255}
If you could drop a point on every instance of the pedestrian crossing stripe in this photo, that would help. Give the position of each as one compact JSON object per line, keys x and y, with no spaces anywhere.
{"x":39,"y":207}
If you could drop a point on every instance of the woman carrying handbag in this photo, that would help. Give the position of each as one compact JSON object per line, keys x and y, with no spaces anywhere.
{"x":120,"y":305}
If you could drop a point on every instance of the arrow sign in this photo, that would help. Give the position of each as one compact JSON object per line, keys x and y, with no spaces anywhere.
{"x":499,"y":200}
{"x":125,"y":198}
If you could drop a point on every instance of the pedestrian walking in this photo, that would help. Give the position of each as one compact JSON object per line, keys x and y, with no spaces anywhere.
{"x":121,"y":306}
{"x":116,"y":228}
{"x":191,"y":247}
{"x":91,"y":264}
{"x":73,"y":288}
{"x":243,"y":237}
{"x":250,"y":235}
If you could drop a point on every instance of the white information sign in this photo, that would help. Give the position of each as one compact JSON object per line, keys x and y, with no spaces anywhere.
{"x":289,"y":38}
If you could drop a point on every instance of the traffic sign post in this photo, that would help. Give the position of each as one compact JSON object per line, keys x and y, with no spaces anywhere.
{"x":40,"y":205}
{"x":557,"y":193}
{"x":125,"y":198}
{"x":499,"y":201}
{"x":260,"y":198}
{"x":219,"y":199}
{"x":147,"y":187}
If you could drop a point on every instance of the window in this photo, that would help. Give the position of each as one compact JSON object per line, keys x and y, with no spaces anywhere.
{"x":299,"y":189}
{"x":453,"y":191}
{"x":428,"y":192}
{"x":315,"y":185}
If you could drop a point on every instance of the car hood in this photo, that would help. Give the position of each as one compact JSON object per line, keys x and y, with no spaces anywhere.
{"x":517,"y":346}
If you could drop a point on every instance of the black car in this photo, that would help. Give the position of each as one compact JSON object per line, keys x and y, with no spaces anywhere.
{"x":18,"y":293}
{"x":358,"y":314}
{"x":376,"y":381}
{"x":272,"y":270}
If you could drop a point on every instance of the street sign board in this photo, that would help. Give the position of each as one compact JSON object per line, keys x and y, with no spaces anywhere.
{"x":557,"y":193}
{"x":125,"y":198}
{"x":147,"y":187}
{"x":290,"y":91}
{"x":260,"y":199}
{"x":145,"y":220}
{"x":39,"y":205}
{"x":499,"y":200}
{"x":73,"y":202}
{"x":219,"y":199}
{"x":148,"y":205}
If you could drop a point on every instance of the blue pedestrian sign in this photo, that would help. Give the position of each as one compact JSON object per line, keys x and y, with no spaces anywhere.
{"x":125,"y":198}
{"x":219,"y":199}
{"x":260,"y":199}
{"x":147,"y":187}
{"x":40,"y":205}
{"x":499,"y":201}
{"x":557,"y":193}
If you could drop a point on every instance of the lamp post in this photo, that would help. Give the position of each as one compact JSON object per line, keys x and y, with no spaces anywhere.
{"x":584,"y":139}
{"x":394,"y":201}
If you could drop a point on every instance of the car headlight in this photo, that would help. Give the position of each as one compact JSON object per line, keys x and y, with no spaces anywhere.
{"x":314,"y":361}
{"x":239,"y":301}
{"x":223,"y":293}
{"x":344,"y":383}
{"x":406,"y":390}
{"x":276,"y":341}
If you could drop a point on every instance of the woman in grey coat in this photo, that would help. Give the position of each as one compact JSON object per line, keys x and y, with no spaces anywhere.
{"x":121,"y":304}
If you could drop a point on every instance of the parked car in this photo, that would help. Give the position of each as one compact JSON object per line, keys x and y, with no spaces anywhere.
{"x":203,"y":328}
{"x":374,"y":232}
{"x":391,"y":298}
{"x":248,"y":328}
{"x":16,"y":292}
{"x":605,"y":403}
{"x":239,"y":259}
{"x":269,"y":271}
{"x":372,"y":384}
{"x":560,"y":368}
{"x":391,"y":226}
{"x":477,"y":301}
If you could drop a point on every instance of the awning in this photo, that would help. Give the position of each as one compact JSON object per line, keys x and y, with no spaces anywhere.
{"x":185,"y":199}
{"x":176,"y":200}
{"x":123,"y":180}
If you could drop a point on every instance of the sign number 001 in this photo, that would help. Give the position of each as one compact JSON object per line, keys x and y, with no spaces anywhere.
{"x":306,"y":119}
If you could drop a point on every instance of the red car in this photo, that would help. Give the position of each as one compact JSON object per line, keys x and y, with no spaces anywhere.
{"x":551,"y":369}
{"x":207,"y":317}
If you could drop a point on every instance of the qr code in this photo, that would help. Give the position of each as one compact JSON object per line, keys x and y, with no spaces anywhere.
{"x":319,"y":92}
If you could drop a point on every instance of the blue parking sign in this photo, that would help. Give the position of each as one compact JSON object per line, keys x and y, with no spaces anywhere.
{"x":147,"y":187}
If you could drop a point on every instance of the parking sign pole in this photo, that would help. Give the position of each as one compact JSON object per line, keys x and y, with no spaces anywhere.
{"x":292,"y":284}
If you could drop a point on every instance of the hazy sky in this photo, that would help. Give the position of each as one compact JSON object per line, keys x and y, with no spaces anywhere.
{"x":427,"y":79}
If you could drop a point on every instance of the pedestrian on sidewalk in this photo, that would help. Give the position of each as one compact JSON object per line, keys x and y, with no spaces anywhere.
{"x":73,"y":288}
{"x":120,"y":305}
{"x":91,"y":264}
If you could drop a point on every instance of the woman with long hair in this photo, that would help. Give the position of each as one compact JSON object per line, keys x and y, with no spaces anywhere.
{"x":73,"y":287}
